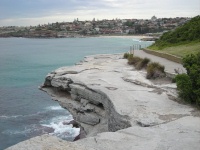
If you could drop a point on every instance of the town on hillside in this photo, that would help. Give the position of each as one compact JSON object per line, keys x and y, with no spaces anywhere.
{"x":155,"y":26}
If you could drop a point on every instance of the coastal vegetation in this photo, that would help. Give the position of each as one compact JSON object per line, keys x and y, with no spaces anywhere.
{"x":188,"y":84}
{"x":184,"y":42}
{"x":126,"y":55}
{"x":154,"y":69}
{"x":142,"y":63}
{"x":134,"y":60}
{"x":181,"y":41}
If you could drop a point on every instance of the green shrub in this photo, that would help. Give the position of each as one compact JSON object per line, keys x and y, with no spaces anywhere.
{"x":126,"y":55}
{"x":184,"y":86}
{"x":155,"y":70}
{"x":142,"y":64}
{"x":174,"y":80}
{"x":189,"y":85}
{"x":130,"y":59}
{"x":135,"y":60}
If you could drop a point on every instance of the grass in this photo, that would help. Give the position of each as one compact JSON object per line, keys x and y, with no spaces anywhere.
{"x":133,"y":60}
{"x":155,"y":70}
{"x":126,"y":55}
{"x":180,"y":50}
{"x":142,"y":63}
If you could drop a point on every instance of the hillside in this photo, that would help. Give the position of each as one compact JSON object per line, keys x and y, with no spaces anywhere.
{"x":187,"y":34}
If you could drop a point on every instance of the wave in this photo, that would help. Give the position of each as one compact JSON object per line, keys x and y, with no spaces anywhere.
{"x":55,"y":108}
{"x":58,"y":126}
{"x":49,"y":121}
{"x":21,"y":116}
{"x":29,"y":130}
{"x":62,"y":129}
{"x":9,"y":117}
{"x":39,"y":113}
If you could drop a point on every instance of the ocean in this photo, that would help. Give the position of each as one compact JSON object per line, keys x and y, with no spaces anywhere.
{"x":25,"y":111}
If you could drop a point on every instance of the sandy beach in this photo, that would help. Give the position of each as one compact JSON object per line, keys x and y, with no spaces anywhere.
{"x":126,"y":36}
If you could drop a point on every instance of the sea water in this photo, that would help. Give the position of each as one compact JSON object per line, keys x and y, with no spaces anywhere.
{"x":25,"y":111}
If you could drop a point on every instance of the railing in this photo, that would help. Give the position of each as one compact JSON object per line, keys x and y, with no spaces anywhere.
{"x":135,"y":47}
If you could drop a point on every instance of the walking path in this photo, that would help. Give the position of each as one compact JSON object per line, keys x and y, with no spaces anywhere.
{"x":170,"y":66}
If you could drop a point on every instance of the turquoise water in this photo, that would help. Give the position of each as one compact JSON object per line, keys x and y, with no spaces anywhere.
{"x":25,"y":111}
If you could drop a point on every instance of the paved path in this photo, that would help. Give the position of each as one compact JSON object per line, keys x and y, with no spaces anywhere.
{"x":169,"y":65}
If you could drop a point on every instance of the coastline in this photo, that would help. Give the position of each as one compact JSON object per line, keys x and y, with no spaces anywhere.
{"x":119,"y":108}
{"x":104,"y":36}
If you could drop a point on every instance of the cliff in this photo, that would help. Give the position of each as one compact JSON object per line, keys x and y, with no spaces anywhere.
{"x":118,"y":108}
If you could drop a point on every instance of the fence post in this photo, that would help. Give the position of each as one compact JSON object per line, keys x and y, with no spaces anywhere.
{"x":130,"y":49}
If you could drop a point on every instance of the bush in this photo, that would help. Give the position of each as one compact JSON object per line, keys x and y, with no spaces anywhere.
{"x":126,"y":55}
{"x":155,"y":70}
{"x":142,"y":64}
{"x":188,"y":84}
{"x":184,"y":86}
{"x":174,"y":80}
{"x":134,"y":60}
{"x":130,"y":59}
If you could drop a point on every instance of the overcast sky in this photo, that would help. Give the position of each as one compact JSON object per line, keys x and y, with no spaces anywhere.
{"x":34,"y":12}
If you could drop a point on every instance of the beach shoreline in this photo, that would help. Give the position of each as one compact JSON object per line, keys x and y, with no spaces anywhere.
{"x":126,"y":36}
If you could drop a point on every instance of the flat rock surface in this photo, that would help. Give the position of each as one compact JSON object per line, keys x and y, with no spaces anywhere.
{"x":47,"y":142}
{"x":128,"y":89}
{"x":157,"y":121}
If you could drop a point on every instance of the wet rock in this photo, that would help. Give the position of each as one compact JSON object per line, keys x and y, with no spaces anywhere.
{"x":81,"y":135}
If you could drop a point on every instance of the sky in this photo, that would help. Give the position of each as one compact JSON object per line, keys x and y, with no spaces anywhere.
{"x":34,"y":12}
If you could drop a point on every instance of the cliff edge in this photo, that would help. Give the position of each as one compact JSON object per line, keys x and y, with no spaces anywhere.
{"x":118,"y":108}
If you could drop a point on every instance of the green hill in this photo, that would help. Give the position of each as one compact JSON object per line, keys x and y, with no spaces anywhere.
{"x":185,"y":34}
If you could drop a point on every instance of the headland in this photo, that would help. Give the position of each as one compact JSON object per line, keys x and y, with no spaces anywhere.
{"x":118,"y":108}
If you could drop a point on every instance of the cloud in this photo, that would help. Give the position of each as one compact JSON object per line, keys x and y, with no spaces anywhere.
{"x":26,"y":12}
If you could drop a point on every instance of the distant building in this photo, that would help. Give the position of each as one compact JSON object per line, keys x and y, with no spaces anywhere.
{"x":154,"y":18}
{"x":97,"y":29}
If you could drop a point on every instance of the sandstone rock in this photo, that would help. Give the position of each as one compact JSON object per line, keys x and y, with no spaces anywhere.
{"x":88,"y":118}
{"x":48,"y":79}
{"x":84,"y":102}
{"x":61,"y":83}
{"x":47,"y":142}
{"x":89,"y":108}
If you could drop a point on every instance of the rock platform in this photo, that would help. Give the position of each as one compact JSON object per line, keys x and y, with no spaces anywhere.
{"x":118,"y":108}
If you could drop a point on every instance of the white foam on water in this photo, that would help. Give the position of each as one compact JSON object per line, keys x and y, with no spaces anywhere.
{"x":55,"y":108}
{"x":61,"y":129}
{"x":8,"y":117}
